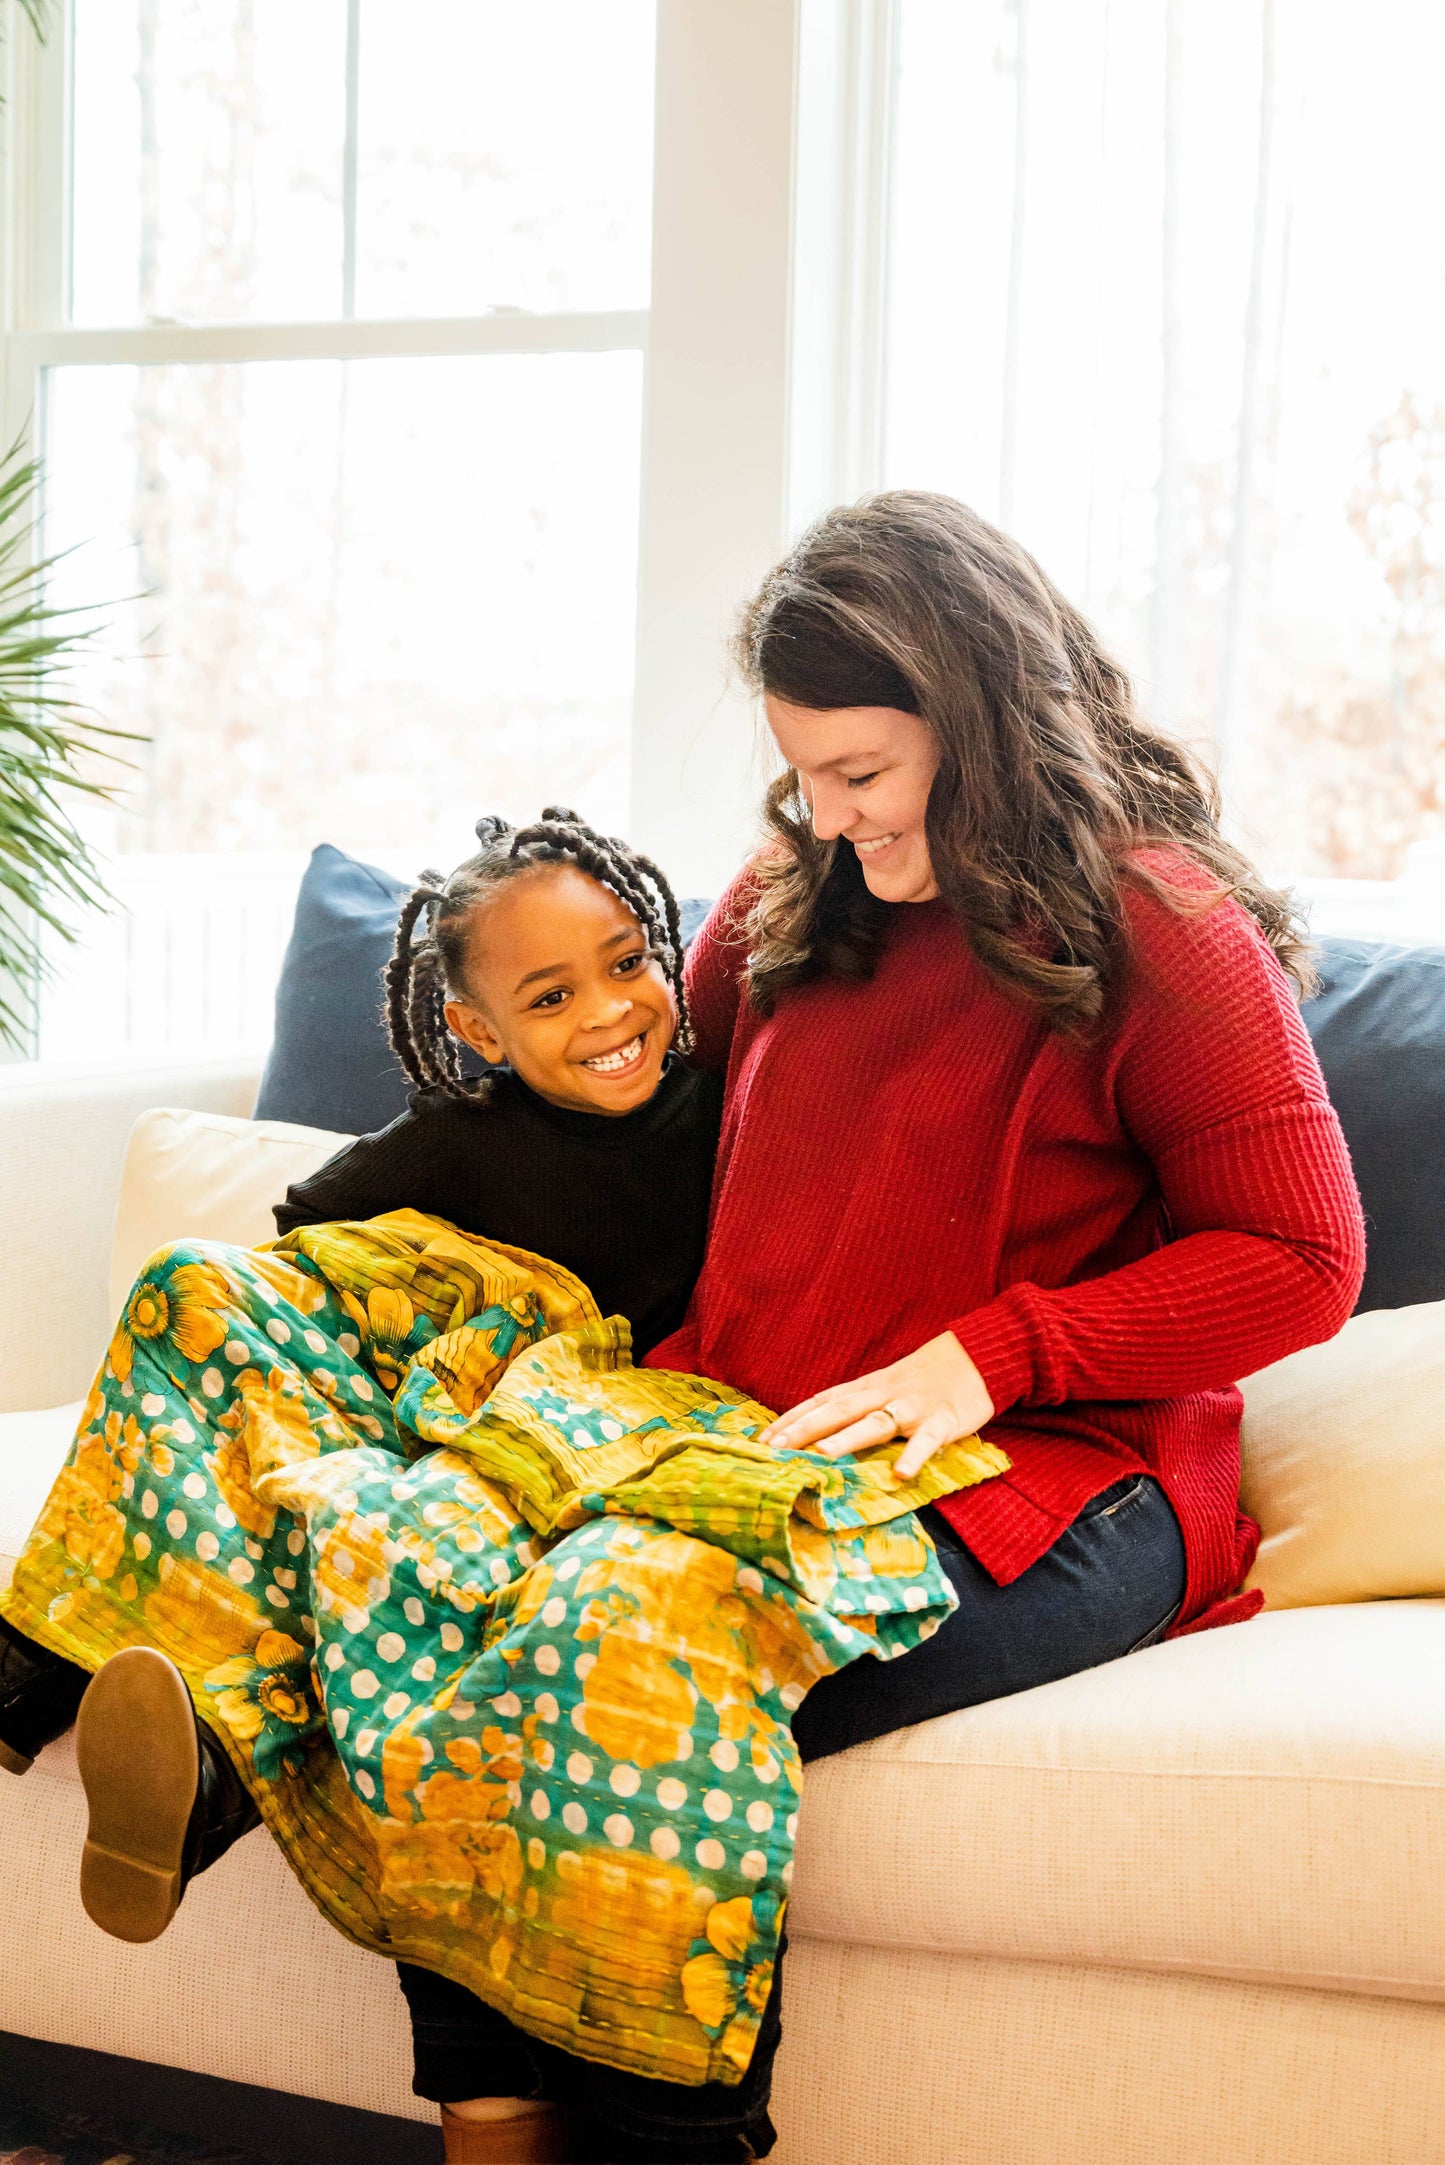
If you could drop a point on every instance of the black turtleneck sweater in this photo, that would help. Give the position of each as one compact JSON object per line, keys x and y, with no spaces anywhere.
{"x":622,"y":1202}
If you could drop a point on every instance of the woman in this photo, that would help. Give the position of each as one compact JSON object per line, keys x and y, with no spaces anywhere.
{"x":1022,"y":1129}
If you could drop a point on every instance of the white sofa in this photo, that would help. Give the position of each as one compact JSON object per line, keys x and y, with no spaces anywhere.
{"x":1186,"y":1908}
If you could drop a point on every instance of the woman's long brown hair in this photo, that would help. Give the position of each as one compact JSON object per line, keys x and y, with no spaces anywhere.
{"x":1049,"y":779}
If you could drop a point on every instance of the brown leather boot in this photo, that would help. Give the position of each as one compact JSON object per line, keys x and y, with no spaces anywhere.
{"x":165,"y":1801}
{"x":534,"y":2138}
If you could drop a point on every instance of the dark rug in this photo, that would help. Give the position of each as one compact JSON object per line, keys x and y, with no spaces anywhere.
{"x":64,"y":2105}
{"x":31,"y":2136}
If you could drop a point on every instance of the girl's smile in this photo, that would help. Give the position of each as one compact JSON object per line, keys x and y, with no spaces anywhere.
{"x":622,"y":1061}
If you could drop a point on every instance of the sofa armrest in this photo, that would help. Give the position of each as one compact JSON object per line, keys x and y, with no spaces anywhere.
{"x":63,"y":1134}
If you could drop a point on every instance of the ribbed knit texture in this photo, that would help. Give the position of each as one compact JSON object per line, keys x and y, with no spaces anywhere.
{"x":1116,"y":1231}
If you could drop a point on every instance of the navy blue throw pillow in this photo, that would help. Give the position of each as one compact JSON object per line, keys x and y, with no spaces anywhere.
{"x":330,"y":1065}
{"x":1378,"y":1024}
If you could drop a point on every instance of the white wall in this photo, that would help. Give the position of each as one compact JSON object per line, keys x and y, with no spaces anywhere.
{"x":715,"y":446}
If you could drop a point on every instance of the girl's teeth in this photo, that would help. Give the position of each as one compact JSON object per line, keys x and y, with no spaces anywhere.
{"x":874,"y":844}
{"x":610,"y":1062}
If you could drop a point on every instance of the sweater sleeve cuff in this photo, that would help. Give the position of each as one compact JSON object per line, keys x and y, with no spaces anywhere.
{"x":997,"y":1340}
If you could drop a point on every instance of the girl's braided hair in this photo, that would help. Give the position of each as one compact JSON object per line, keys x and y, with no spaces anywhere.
{"x":426,"y":965}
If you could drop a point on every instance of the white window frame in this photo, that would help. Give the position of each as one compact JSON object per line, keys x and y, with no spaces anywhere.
{"x":763,"y":348}
{"x":37,"y":221}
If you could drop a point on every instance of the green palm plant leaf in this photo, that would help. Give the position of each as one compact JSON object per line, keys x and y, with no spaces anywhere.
{"x":48,"y":747}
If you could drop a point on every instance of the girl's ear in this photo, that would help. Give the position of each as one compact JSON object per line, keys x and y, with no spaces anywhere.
{"x":473,"y":1028}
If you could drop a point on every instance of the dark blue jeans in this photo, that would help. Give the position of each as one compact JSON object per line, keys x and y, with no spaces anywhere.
{"x":1111,"y":1583}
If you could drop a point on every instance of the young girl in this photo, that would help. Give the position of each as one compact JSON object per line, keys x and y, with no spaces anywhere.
{"x":554,"y":955}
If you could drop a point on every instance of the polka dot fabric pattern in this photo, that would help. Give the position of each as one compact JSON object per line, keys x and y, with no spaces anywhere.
{"x":503,"y":1634}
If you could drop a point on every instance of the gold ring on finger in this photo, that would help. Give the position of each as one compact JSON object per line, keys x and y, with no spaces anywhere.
{"x":894,"y":1416}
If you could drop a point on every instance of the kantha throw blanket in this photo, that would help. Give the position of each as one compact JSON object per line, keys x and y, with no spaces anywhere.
{"x":502,"y":1633}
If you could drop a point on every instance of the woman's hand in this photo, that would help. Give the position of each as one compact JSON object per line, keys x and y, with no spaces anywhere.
{"x":933,"y":1397}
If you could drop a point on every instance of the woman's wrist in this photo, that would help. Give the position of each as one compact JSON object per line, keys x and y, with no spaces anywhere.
{"x":997,"y":1340}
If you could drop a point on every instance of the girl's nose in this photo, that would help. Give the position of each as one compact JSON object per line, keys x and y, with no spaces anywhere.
{"x":609,"y":1011}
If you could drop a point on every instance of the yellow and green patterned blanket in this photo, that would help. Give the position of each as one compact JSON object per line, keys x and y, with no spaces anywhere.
{"x":503,"y":1634}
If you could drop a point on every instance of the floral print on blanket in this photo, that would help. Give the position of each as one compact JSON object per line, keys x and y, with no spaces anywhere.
{"x":503,"y":1634}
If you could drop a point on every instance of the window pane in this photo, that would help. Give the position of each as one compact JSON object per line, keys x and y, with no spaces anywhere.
{"x":208,"y":160}
{"x":504,"y":156}
{"x":1173,"y":311}
{"x":381,"y":597}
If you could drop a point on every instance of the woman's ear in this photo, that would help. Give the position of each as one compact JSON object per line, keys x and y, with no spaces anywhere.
{"x":473,"y":1028}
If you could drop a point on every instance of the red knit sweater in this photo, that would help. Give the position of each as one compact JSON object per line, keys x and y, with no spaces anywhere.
{"x":1116,"y":1233}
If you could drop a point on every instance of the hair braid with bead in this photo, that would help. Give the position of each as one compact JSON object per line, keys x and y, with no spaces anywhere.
{"x":429,"y":953}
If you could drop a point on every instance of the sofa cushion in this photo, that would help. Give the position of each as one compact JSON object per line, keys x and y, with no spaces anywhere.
{"x":1343,"y":1463}
{"x":205,"y":1176}
{"x":32,"y":1452}
{"x":1378,"y":1025}
{"x":1262,"y":1801}
{"x":330,"y":1065}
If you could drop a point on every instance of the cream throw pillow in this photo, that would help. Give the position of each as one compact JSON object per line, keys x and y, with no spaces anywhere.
{"x":206,"y":1176}
{"x":1344,"y":1463}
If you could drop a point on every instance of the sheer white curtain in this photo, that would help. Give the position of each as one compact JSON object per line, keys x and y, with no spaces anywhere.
{"x":1168,"y":301}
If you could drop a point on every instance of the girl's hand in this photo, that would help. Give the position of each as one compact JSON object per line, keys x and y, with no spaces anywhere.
{"x":934,"y":1396}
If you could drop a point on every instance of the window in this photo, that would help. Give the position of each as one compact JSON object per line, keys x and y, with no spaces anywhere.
{"x":341,"y":380}
{"x":1168,"y":301}
{"x":339,"y":335}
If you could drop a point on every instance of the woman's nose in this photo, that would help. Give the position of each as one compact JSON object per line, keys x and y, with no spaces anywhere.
{"x":832,"y":809}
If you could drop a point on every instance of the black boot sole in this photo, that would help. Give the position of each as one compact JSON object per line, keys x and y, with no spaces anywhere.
{"x":140,"y":1765}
